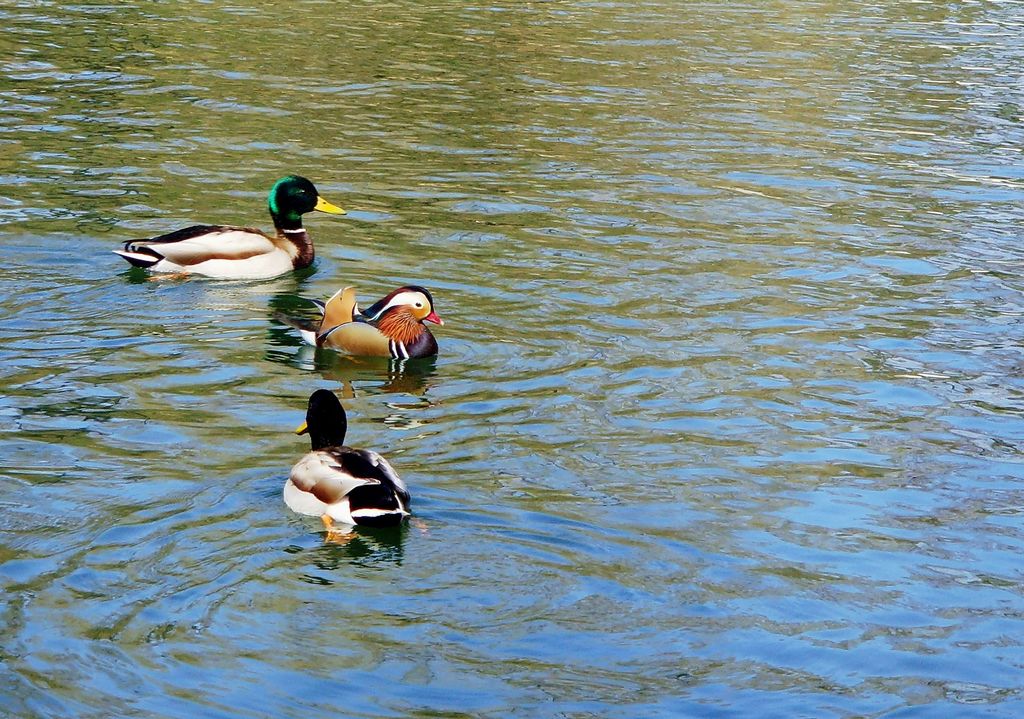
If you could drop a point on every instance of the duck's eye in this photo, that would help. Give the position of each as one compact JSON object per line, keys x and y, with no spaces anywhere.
{"x":418,"y":305}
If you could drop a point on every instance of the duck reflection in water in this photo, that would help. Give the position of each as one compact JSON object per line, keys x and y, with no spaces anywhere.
{"x":364,"y":375}
{"x":364,"y":547}
{"x":374,"y":375}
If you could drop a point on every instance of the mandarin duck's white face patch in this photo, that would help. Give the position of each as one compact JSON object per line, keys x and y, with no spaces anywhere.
{"x":416,"y":300}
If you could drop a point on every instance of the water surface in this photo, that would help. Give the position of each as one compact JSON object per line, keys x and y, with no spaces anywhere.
{"x":727,"y":417}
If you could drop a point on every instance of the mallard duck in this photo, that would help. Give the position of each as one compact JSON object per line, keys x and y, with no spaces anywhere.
{"x":239,"y":252}
{"x":339,"y":483}
{"x":391,"y":327}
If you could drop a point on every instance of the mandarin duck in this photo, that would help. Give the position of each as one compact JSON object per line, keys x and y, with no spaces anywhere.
{"x":391,"y":327}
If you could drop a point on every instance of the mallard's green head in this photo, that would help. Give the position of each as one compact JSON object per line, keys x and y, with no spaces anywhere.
{"x":291,"y":197}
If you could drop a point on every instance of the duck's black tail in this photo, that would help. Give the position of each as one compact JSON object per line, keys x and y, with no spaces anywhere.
{"x":139,"y":256}
{"x":307,"y":328}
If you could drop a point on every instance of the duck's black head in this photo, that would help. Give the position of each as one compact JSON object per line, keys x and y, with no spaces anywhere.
{"x":291,"y":197}
{"x":325,"y":420}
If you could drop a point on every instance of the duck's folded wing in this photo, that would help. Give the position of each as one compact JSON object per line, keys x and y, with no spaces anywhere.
{"x":200,"y":243}
{"x":370,"y":464}
{"x":356,"y":338}
{"x":340,"y":308}
{"x":324,"y":474}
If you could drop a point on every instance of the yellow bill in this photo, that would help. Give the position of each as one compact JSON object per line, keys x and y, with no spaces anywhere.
{"x":323,"y":205}
{"x":301,"y":429}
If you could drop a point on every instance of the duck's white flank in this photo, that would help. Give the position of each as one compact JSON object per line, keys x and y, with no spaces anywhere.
{"x":305,"y":503}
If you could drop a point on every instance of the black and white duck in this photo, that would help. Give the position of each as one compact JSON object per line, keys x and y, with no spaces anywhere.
{"x":339,"y":483}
